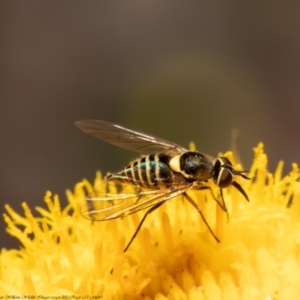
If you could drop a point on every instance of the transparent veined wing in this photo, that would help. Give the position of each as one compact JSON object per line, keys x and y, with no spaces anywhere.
{"x":128,"y":139}
{"x":116,"y":199}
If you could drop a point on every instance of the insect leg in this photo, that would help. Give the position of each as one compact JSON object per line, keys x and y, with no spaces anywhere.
{"x":201,"y":214}
{"x":140,"y":225}
{"x":221,"y":192}
{"x":240,"y":189}
{"x":222,"y":205}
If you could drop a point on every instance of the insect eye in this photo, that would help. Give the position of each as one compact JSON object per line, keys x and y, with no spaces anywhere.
{"x":224,"y":178}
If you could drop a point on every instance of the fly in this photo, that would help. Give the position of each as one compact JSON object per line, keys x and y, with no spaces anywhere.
{"x":165,"y":171}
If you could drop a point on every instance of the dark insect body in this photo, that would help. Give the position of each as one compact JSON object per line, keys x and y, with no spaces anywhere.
{"x":166,"y":170}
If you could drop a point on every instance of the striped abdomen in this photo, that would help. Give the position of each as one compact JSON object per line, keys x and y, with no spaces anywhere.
{"x":151,"y":171}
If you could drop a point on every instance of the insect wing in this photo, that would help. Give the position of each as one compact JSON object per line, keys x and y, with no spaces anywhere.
{"x":115,"y":198}
{"x":128,"y":139}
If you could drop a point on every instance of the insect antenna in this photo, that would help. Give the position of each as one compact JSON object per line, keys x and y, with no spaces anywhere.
{"x":235,"y":172}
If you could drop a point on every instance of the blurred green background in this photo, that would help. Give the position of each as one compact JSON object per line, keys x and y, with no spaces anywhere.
{"x":189,"y":71}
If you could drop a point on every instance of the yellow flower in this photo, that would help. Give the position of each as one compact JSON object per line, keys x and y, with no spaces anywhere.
{"x":173,"y":257}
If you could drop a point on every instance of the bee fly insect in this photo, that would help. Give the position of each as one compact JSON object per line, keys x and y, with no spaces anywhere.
{"x":165,"y":171}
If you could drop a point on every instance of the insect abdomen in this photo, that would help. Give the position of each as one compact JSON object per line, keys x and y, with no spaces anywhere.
{"x":151,"y":171}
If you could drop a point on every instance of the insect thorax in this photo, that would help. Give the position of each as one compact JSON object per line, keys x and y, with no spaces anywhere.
{"x":193,"y":166}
